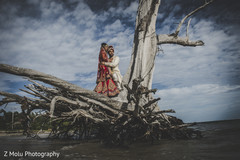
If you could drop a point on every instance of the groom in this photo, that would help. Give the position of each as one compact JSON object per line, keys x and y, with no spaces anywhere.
{"x":113,"y":63}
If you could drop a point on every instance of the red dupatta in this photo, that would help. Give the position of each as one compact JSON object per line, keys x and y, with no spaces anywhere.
{"x":105,"y":84}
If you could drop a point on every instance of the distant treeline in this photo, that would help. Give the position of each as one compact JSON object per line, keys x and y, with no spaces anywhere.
{"x":17,"y":121}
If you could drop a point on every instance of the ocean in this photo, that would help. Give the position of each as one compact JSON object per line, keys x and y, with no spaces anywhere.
{"x":221,"y":141}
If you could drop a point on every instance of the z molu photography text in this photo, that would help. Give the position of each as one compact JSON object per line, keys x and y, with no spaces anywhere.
{"x":19,"y":154}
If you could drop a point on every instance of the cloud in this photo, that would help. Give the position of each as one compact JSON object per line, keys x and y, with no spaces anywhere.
{"x":61,"y":42}
{"x":205,"y":102}
{"x":113,"y":28}
{"x":203,"y":89}
{"x":62,"y":38}
{"x":4,"y":86}
{"x":123,"y":11}
{"x":200,"y":83}
{"x":215,"y":62}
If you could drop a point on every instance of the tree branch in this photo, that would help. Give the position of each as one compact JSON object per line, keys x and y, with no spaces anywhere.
{"x":49,"y":79}
{"x":37,"y":93}
{"x":170,"y":39}
{"x":165,"y":111}
{"x":20,"y":100}
{"x":189,"y":21}
{"x":83,"y":113}
{"x":188,"y":15}
{"x":60,"y":98}
{"x":28,"y":92}
{"x":184,"y":41}
{"x":151,"y":102}
{"x":15,"y":97}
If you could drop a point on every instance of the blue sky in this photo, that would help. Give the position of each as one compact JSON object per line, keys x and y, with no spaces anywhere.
{"x":62,"y":38}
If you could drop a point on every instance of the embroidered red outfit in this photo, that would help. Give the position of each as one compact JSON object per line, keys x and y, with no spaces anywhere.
{"x":105,"y":84}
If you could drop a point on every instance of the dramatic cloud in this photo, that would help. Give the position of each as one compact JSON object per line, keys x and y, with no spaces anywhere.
{"x":200,"y":83}
{"x":211,"y":63}
{"x":62,"y":42}
{"x":62,"y":38}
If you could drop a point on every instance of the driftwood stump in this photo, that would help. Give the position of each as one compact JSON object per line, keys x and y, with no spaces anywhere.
{"x":71,"y":112}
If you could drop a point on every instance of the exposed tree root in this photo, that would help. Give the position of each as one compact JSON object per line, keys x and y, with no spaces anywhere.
{"x":70,"y":114}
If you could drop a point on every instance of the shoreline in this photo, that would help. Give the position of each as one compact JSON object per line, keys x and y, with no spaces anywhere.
{"x":11,"y":133}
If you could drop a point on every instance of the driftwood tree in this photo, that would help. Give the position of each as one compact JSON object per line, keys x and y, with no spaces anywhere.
{"x":146,"y":41}
{"x":75,"y":111}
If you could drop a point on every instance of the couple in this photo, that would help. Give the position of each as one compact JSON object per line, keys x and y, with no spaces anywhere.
{"x":109,"y":78}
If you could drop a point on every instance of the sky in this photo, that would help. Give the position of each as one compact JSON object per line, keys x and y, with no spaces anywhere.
{"x":63,"y":38}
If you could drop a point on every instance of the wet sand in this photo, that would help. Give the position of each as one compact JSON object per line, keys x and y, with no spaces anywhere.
{"x":220,"y":142}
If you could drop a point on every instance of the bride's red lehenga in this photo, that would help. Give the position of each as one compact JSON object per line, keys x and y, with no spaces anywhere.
{"x":105,"y":84}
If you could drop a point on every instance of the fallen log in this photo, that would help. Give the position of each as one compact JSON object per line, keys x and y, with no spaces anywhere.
{"x":54,"y":81}
{"x":72,"y":111}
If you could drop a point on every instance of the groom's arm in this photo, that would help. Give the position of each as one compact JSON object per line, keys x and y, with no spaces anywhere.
{"x":114,"y":63}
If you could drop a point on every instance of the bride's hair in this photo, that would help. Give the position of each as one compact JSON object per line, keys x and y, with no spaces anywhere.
{"x":103,"y":44}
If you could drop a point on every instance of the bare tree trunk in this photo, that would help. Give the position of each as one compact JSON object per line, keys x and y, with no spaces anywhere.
{"x":146,"y":41}
{"x":144,"y":45}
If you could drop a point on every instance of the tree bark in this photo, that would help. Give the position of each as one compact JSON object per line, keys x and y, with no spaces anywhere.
{"x":144,"y":45}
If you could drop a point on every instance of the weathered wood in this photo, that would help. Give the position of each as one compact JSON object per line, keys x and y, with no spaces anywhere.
{"x":84,"y":108}
{"x":60,"y":98}
{"x":146,"y":41}
{"x":171,"y":39}
{"x":144,"y":44}
{"x":37,"y":93}
{"x":114,"y":126}
{"x":83,"y":113}
{"x":190,"y":14}
{"x":28,"y":92}
{"x":165,"y":111}
{"x":12,"y":96}
{"x":49,"y":79}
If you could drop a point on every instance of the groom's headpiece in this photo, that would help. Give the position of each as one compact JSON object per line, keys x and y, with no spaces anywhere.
{"x":110,"y":48}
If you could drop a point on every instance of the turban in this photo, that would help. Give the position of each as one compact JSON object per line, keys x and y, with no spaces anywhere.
{"x":110,"y":48}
